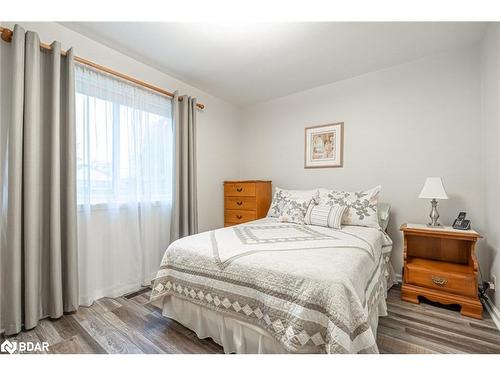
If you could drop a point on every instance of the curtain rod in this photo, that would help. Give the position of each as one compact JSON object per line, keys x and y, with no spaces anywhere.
{"x":7,"y":37}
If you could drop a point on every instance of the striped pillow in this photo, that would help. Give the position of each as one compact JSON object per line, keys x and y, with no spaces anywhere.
{"x":325,"y":215}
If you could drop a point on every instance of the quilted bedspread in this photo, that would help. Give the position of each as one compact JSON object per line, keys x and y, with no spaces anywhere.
{"x":312,"y":288}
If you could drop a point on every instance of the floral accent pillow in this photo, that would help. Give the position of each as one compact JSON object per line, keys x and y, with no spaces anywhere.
{"x":361,"y":205}
{"x":294,"y":210}
{"x":282,"y":197}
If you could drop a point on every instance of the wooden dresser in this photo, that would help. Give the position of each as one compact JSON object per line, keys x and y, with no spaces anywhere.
{"x":440,"y":264}
{"x":246,"y":201}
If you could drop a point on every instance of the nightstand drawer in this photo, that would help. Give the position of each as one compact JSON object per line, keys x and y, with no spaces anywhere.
{"x":457,"y":283}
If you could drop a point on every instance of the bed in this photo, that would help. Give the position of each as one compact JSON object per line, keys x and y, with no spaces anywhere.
{"x":273,"y":287}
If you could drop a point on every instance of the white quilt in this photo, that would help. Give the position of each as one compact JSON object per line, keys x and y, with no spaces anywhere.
{"x":310,"y":287}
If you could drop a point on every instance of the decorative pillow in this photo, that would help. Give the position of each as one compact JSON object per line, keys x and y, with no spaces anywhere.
{"x":383,"y":210}
{"x":294,"y":210}
{"x":325,"y":215}
{"x":361,"y":206}
{"x":282,"y":196}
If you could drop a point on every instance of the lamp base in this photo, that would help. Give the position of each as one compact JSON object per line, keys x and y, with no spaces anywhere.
{"x":434,"y":215}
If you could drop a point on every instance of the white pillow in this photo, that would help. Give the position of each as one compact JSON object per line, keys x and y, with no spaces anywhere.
{"x":361,"y":205}
{"x":384,"y":212}
{"x":282,"y":196}
{"x":325,"y":215}
{"x":294,"y":210}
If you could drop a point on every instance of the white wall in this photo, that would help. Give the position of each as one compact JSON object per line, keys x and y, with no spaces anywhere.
{"x":217,"y":124}
{"x":401,"y":125}
{"x":490,"y":90}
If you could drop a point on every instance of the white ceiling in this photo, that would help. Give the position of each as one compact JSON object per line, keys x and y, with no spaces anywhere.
{"x":247,"y":63}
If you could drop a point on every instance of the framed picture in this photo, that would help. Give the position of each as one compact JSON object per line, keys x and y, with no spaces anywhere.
{"x":324,"y":146}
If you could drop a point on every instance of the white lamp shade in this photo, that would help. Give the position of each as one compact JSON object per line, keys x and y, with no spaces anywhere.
{"x":433,"y":189}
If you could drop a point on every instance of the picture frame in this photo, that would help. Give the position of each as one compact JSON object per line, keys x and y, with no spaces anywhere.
{"x":324,"y":146}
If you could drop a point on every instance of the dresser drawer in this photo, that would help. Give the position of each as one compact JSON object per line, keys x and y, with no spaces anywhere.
{"x":463,"y":284}
{"x":240,"y":203}
{"x":239,"y":216}
{"x":244,"y":189}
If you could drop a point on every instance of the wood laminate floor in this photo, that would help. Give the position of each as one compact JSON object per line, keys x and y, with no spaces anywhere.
{"x":130,"y":325}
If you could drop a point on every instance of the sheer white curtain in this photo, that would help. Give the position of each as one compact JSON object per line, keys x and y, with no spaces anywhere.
{"x":124,"y":182}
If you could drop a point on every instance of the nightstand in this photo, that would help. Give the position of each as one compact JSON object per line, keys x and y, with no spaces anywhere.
{"x":440,"y":264}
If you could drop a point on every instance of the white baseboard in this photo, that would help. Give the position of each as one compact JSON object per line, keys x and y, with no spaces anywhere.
{"x":399,"y":278}
{"x":494,"y":312}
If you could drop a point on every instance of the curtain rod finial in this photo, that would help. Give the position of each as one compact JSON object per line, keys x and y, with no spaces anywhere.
{"x":7,"y":35}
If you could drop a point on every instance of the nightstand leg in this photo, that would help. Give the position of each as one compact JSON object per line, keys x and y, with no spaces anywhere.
{"x":409,"y":296}
{"x":472,"y":310}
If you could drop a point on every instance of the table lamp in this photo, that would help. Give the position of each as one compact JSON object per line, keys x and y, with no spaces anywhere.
{"x":433,"y":189}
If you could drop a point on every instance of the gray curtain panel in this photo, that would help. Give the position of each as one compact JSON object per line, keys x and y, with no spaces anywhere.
{"x":184,"y":206}
{"x":39,"y":256}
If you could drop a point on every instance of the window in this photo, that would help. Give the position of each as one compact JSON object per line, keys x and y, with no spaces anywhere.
{"x":124,"y":141}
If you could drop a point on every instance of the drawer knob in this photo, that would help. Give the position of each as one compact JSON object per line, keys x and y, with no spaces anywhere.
{"x":439,"y":281}
{"x":239,"y":203}
{"x":239,"y":190}
{"x":239,"y":216}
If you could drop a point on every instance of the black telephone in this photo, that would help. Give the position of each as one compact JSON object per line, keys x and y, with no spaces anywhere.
{"x":461,"y":223}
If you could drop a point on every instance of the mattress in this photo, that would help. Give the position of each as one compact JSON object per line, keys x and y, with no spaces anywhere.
{"x":273,"y":287}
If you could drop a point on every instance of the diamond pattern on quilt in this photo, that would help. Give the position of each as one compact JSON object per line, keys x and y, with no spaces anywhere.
{"x":159,"y":287}
{"x":278,"y":326}
{"x":216,"y":301}
{"x":258,"y":313}
{"x":303,"y":337}
{"x":247,"y":310}
{"x":226,"y":303}
{"x":236,"y":306}
{"x":201,"y":295}
{"x":317,"y":339}
{"x":209,"y":298}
